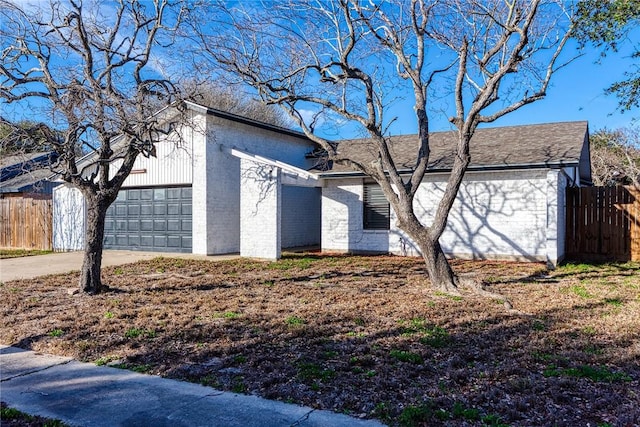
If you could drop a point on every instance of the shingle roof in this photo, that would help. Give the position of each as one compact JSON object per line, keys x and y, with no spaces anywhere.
{"x":25,"y":172}
{"x":499,"y":147}
{"x":21,"y":158}
{"x":28,"y":181}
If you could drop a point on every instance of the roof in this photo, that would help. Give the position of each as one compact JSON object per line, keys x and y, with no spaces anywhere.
{"x":33,"y":181}
{"x":21,"y":158}
{"x":526,"y":146}
{"x":247,"y":121}
{"x":25,"y":172}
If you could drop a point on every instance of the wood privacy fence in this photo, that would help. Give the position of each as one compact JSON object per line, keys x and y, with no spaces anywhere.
{"x":26,"y":221}
{"x":603,"y":223}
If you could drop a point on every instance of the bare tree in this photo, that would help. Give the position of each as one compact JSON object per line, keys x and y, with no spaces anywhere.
{"x":615,"y":157}
{"x":347,"y":61}
{"x":86,"y":68}
{"x":232,"y":99}
{"x":25,"y":137}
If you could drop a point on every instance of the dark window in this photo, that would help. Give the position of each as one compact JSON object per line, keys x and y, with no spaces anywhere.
{"x":376,"y":208}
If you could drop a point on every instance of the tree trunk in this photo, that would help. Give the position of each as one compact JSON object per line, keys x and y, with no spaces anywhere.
{"x":90,"y":281}
{"x":438,"y":268}
{"x":439,"y":271}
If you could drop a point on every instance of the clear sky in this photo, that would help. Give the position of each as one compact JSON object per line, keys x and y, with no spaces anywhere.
{"x":577,"y":93}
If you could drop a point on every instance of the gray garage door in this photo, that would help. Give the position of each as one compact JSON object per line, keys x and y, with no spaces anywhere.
{"x":150,"y":219}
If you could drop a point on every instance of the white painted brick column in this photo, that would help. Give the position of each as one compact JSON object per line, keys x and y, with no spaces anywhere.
{"x":553,"y":240}
{"x":201,"y":187}
{"x":260,"y":210}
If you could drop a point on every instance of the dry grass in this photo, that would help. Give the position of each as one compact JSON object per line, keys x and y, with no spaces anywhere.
{"x":16,"y":253}
{"x":360,"y":335}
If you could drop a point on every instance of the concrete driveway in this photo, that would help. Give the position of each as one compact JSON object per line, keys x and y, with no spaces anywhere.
{"x":64,"y":262}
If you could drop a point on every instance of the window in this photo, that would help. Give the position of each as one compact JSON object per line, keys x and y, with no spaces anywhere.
{"x":376,"y":208}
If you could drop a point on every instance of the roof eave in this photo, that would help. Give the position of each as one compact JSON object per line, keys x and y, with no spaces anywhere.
{"x":478,"y":168}
{"x":246,"y":121}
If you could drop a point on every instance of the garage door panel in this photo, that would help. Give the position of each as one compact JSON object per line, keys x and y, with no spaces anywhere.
{"x":153,"y":219}
{"x":159,"y":210}
{"x":146,"y":194}
{"x":174,"y":241}
{"x":175,"y":193}
{"x":173,"y":209}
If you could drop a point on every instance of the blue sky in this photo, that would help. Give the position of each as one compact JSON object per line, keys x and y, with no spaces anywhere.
{"x":576,"y":93}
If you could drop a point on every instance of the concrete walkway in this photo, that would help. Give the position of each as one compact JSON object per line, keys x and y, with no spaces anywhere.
{"x":63,"y":262}
{"x":83,"y":394}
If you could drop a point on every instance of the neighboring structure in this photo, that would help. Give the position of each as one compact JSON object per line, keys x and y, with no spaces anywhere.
{"x":26,"y":173}
{"x":237,"y":185}
{"x":25,"y":200}
{"x":511,"y":204}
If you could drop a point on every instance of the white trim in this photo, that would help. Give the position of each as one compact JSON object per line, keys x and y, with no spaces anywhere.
{"x":296,"y":175}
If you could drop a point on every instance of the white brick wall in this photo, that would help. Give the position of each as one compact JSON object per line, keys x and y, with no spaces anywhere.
{"x":500,"y":214}
{"x":300,"y":222}
{"x":223,"y":210}
{"x":200,"y":157}
{"x":260,"y":209}
{"x":556,"y":216}
{"x":342,"y":219}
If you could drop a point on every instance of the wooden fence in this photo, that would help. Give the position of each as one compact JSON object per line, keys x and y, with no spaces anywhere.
{"x":26,"y":221}
{"x":603,"y":223}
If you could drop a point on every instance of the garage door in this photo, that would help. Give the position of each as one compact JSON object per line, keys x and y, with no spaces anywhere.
{"x":150,"y":219}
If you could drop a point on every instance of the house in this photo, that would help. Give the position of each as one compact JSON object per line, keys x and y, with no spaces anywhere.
{"x":237,"y":185}
{"x":188,"y":198}
{"x":511,"y":204}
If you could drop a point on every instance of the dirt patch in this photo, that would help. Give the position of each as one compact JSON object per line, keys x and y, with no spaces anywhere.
{"x":360,"y":335}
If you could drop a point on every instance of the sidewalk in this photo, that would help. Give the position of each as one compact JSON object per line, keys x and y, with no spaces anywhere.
{"x":83,"y":394}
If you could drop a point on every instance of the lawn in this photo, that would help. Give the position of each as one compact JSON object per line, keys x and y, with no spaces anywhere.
{"x":17,"y":253}
{"x":360,"y":335}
